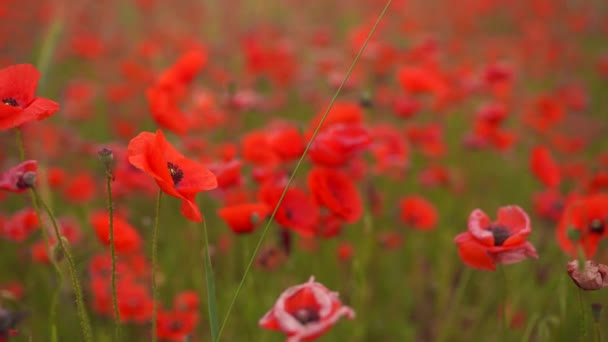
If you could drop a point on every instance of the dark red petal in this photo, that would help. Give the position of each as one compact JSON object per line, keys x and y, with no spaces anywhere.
{"x":473,"y":253}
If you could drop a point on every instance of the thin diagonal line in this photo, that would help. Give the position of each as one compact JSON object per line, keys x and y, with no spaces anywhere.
{"x":295,"y":171}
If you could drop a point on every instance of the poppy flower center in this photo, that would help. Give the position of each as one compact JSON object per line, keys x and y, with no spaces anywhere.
{"x":500,"y":233}
{"x":306,"y":315}
{"x":597,"y":226}
{"x":176,"y":173}
{"x":175,"y":326}
{"x":10,"y":102}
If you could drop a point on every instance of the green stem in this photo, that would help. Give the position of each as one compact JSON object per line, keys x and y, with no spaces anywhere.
{"x":113,"y":252}
{"x":505,"y":318}
{"x":598,"y":332}
{"x":454,"y":304}
{"x":85,"y":324}
{"x":45,"y":237}
{"x":154,"y":257}
{"x":583,"y":316}
{"x":210,"y":281}
{"x":297,"y":167}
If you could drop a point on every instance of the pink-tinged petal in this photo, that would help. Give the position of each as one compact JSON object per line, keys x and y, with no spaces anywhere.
{"x":513,"y":255}
{"x":12,"y":179}
{"x":269,"y":321}
{"x":19,"y":82}
{"x":473,"y":253}
{"x":592,"y":276}
{"x":477,"y":224}
{"x":190,"y":209}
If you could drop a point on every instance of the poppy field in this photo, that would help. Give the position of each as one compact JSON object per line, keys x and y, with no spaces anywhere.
{"x":366,"y":170}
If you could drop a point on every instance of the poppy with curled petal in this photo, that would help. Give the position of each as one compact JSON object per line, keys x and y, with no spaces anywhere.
{"x":12,"y":180}
{"x":306,"y":311}
{"x":19,"y":105}
{"x":175,"y":174}
{"x":244,"y":218}
{"x":336,"y":191}
{"x":487,"y":243}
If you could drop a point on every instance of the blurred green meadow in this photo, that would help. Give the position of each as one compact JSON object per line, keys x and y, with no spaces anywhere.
{"x":273,"y":63}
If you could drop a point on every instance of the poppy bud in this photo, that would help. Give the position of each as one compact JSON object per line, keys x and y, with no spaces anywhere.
{"x":29,"y":179}
{"x":106,"y":156}
{"x":593,"y":276}
{"x":574,"y":234}
{"x":596,"y":311}
{"x":366,"y":100}
{"x":57,"y":251}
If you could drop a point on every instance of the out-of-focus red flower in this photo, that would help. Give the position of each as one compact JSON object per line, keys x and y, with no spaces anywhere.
{"x":18,"y":85}
{"x":487,"y":243}
{"x":12,"y":179}
{"x":80,"y":188}
{"x":334,"y":190}
{"x":14,"y":289}
{"x":126,"y":237}
{"x":270,"y":258}
{"x":175,"y":174}
{"x":134,"y":302}
{"x":345,"y":251}
{"x":297,"y":211}
{"x":418,"y":212}
{"x":342,"y":112}
{"x":390,"y":240}
{"x":305,"y":312}
{"x":175,"y":325}
{"x":544,"y":166}
{"x":592,"y":276}
{"x":549,"y":204}
{"x":228,"y":173}
{"x":244,"y":218}
{"x":187,"y":301}
{"x":19,"y":226}
{"x":583,"y":224}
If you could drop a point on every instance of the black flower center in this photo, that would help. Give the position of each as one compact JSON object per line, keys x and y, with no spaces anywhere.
{"x":176,"y":173}
{"x":306,"y":315}
{"x":175,"y":326}
{"x":9,"y":101}
{"x":597,"y":226}
{"x":500,"y":233}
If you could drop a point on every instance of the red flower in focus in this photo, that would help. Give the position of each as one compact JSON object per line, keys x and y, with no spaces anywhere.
{"x":175,"y":325}
{"x":305,"y":312}
{"x":126,"y":238}
{"x":504,"y":241}
{"x":18,"y":85}
{"x":244,"y":218}
{"x":544,"y":166}
{"x":175,"y":174}
{"x":583,"y":225}
{"x":418,"y":213}
{"x":336,"y":191}
{"x":12,"y":179}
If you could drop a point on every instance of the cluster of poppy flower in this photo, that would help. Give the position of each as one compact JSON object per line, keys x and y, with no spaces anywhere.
{"x":354,"y":144}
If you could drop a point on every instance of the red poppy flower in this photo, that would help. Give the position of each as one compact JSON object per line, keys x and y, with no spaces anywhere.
{"x":335,"y":190}
{"x":134,"y":302}
{"x":12,"y":179}
{"x":126,"y":238}
{"x":175,"y":174}
{"x":583,"y":225}
{"x":504,"y":241}
{"x":80,"y":188}
{"x":544,"y":166}
{"x":297,"y":211}
{"x":17,"y":92}
{"x":270,"y":258}
{"x":19,"y":226}
{"x":549,"y":204}
{"x":305,"y":312}
{"x":175,"y":325}
{"x":187,"y":301}
{"x":418,"y":212}
{"x":244,"y":218}
{"x":593,"y":276}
